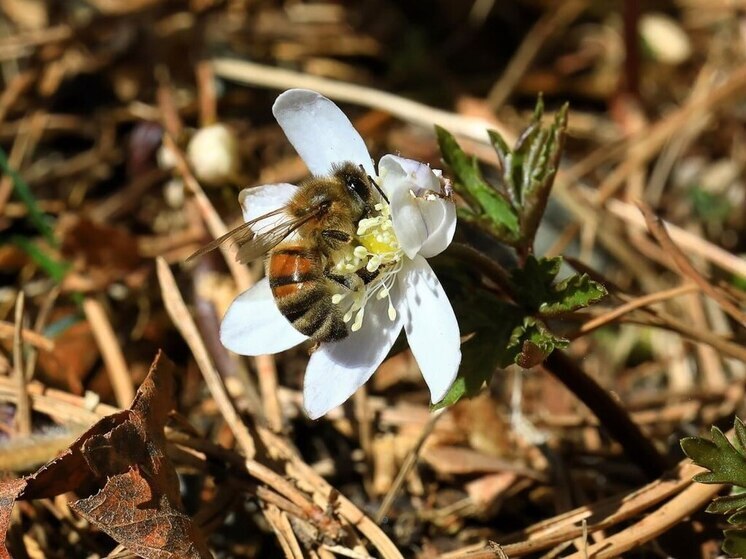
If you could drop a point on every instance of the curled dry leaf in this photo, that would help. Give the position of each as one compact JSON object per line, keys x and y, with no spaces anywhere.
{"x":121,"y":464}
{"x":101,"y":251}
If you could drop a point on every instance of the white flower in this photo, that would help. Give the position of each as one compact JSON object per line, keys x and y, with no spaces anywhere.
{"x":418,"y":224}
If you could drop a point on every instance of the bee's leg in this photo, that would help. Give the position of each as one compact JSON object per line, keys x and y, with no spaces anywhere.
{"x":366,"y":276}
{"x":353,"y":282}
{"x":336,"y":236}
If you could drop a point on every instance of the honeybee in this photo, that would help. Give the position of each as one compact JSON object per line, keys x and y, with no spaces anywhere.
{"x":319,"y":221}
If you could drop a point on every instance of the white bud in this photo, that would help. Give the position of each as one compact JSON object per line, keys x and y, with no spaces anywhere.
{"x":173,"y":193}
{"x":213,"y":154}
{"x":166,"y":158}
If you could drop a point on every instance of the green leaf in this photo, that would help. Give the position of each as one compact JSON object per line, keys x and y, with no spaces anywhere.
{"x":505,"y":158}
{"x":573,"y":293}
{"x":735,"y":542}
{"x":53,"y":268}
{"x":489,"y":320}
{"x":710,"y":207}
{"x":22,"y":190}
{"x":533,"y":283}
{"x":541,"y":161}
{"x":728,"y":505}
{"x":532,"y":342}
{"x":535,"y":288}
{"x":725,"y":462}
{"x":480,"y":357}
{"x":483,"y":197}
{"x":740,"y":440}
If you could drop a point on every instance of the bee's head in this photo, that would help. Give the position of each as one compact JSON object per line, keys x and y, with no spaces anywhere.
{"x":358,"y":186}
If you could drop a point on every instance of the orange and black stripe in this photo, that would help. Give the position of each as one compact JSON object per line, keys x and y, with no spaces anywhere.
{"x":300,"y":289}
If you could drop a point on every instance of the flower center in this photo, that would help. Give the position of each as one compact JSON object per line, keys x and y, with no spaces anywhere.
{"x":376,"y":249}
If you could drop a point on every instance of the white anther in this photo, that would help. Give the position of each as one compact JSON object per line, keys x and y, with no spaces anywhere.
{"x":358,"y":320}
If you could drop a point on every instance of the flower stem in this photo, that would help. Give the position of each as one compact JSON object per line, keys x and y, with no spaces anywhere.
{"x":612,"y":416}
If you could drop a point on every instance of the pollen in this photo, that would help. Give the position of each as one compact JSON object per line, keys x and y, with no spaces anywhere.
{"x":376,"y":249}
{"x":375,"y":245}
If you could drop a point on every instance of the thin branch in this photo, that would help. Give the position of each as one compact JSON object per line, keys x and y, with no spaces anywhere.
{"x":7,"y":330}
{"x":658,"y":230}
{"x":251,"y":73}
{"x":183,"y":321}
{"x":23,"y":409}
{"x":106,"y":338}
{"x":407,"y":466}
{"x":632,"y":305}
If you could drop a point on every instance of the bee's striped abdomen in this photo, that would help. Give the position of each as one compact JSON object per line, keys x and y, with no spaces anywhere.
{"x":300,"y":289}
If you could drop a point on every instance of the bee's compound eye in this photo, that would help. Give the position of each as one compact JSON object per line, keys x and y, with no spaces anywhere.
{"x":357,"y":185}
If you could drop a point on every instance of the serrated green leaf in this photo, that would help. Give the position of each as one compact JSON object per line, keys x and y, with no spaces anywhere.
{"x":505,"y":157}
{"x":538,"y":108}
{"x":737,"y":518}
{"x":740,"y":440}
{"x":718,"y":455}
{"x":727,"y":464}
{"x":478,"y":361}
{"x":22,"y":190}
{"x":575,"y":292}
{"x":489,"y":319}
{"x":540,"y":169}
{"x":532,"y":342}
{"x":735,"y":542}
{"x":533,"y":282}
{"x":535,"y":288}
{"x":470,"y":183}
{"x":727,"y":505}
{"x":481,"y":356}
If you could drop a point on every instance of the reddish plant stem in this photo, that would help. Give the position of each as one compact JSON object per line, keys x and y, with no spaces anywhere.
{"x":612,"y":416}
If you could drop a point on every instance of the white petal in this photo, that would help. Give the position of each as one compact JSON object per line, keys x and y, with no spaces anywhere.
{"x":423,"y":224}
{"x":431,"y":327}
{"x":337,"y":369}
{"x":440,"y":217}
{"x":254,"y":325}
{"x":319,"y":131}
{"x":259,"y":200}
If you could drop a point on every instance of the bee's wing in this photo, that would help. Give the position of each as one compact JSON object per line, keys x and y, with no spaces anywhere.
{"x":265,"y":241}
{"x":251,"y":244}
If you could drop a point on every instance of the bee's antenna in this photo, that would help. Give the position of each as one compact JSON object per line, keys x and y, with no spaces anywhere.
{"x":378,"y":188}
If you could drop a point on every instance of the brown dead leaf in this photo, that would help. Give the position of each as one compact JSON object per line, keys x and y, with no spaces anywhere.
{"x":121,"y":464}
{"x":134,"y":514}
{"x":9,"y":491}
{"x":74,"y":355}
{"x":103,"y":252}
{"x":139,"y":505}
{"x":486,"y":489}
{"x":485,"y":428}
